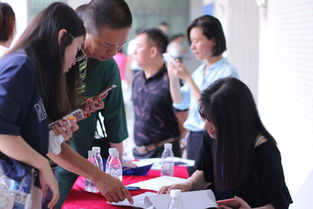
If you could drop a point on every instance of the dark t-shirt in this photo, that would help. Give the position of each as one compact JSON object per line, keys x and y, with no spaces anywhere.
{"x":22,"y":112}
{"x":265,"y":184}
{"x":155,"y":119}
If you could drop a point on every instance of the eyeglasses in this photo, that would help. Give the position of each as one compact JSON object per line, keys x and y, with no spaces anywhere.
{"x":81,"y":55}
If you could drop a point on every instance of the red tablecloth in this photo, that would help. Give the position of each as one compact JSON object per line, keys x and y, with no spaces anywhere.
{"x":79,"y":199}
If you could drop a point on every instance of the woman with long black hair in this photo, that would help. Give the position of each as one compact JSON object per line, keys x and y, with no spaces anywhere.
{"x":240,"y":158}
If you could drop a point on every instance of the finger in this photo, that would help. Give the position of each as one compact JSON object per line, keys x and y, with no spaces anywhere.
{"x":55,"y":198}
{"x":126,"y":194}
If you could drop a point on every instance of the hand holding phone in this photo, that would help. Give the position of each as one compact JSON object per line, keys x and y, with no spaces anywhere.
{"x":75,"y":115}
{"x":169,"y":59}
{"x":105,"y":91}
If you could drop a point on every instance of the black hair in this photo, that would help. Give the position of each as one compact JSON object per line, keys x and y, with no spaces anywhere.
{"x":41,"y":44}
{"x":113,"y":14}
{"x":165,"y":24}
{"x":212,"y":29}
{"x":7,"y":22}
{"x":229,"y":105}
{"x":157,"y":37}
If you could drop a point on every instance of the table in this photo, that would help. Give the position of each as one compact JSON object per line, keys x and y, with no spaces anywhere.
{"x":79,"y":199}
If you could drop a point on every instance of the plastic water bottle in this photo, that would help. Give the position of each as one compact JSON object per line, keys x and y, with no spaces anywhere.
{"x":111,"y":150}
{"x":176,"y":202}
{"x":167,"y":163}
{"x":89,"y":186}
{"x":98,"y":157}
{"x":115,"y":166}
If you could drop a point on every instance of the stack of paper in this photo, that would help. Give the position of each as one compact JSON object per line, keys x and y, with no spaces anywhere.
{"x":196,"y":200}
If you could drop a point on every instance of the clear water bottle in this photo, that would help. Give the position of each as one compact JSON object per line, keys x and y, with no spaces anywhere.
{"x":167,"y":163}
{"x":111,"y":150}
{"x":98,"y":157}
{"x":176,"y":202}
{"x":114,"y":167}
{"x":89,"y":186}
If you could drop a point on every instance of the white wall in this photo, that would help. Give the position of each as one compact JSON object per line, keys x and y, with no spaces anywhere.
{"x":240,"y":22}
{"x":286,"y":90}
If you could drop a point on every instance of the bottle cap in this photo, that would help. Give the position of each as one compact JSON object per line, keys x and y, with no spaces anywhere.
{"x":112,"y":150}
{"x":97,"y":149}
{"x":175,"y":192}
{"x":91,"y":152}
{"x":168,"y":145}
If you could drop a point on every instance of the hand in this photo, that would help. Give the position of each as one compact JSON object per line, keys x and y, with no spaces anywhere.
{"x":183,"y":187}
{"x":112,"y":188}
{"x":92,"y":104}
{"x":65,"y":128}
{"x":236,"y":202}
{"x":47,"y":179}
{"x":178,"y":71}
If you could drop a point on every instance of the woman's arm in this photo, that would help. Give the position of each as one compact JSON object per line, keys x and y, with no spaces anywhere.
{"x":195,"y":182}
{"x":16,"y":148}
{"x":239,"y":203}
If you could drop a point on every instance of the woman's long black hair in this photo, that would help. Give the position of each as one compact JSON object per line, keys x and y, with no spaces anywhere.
{"x":40,"y":42}
{"x":229,"y":104}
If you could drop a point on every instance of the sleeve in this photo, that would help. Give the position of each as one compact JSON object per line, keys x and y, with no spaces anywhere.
{"x":16,"y":92}
{"x":186,"y":98}
{"x":114,"y":118}
{"x":272,"y":178}
{"x":204,"y":161}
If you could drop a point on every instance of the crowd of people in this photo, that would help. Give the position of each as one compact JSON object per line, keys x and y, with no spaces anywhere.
{"x":64,"y":59}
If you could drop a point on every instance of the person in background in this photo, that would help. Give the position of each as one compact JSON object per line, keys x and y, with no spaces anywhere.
{"x":207,"y":41}
{"x":164,"y":27}
{"x":132,"y":66}
{"x":155,"y":122}
{"x":121,"y":60}
{"x":33,"y":88}
{"x":238,"y":156}
{"x":108,"y":23}
{"x":7,"y":27}
{"x":175,"y":48}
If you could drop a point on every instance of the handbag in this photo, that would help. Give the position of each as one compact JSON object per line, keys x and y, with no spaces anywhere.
{"x":16,"y":182}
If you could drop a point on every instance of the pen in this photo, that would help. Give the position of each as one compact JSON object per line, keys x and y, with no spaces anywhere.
{"x":131,"y":188}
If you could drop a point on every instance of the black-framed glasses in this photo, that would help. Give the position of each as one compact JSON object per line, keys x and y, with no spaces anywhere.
{"x":81,"y":54}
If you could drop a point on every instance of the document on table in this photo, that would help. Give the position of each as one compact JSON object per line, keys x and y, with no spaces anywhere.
{"x":156,"y":183}
{"x":194,"y":199}
{"x":157,"y":162}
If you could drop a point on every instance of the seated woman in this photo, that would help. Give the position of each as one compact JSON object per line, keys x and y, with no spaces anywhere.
{"x":238,"y":157}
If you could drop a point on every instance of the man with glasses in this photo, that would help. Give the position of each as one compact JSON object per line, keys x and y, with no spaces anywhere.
{"x":108,"y":23}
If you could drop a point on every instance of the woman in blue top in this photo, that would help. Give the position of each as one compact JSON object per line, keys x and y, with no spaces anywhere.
{"x":207,"y":42}
{"x":33,"y":87}
{"x":240,"y":158}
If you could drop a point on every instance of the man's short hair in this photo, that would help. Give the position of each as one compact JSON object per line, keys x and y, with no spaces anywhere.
{"x":157,"y":37}
{"x":113,"y":14}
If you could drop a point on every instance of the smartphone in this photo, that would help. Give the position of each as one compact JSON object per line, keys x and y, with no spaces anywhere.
{"x":169,"y":59}
{"x":105,"y":91}
{"x":231,"y":202}
{"x":77,"y":114}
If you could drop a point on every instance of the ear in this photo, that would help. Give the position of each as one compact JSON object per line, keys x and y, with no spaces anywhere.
{"x":153,"y":51}
{"x":62,"y":32}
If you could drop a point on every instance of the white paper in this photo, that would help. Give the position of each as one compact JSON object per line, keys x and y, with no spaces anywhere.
{"x":195,"y":199}
{"x":157,"y":162}
{"x":155,"y":184}
{"x":138,"y":200}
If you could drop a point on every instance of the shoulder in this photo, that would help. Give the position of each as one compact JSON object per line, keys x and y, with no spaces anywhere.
{"x":17,"y":65}
{"x":228,"y":69}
